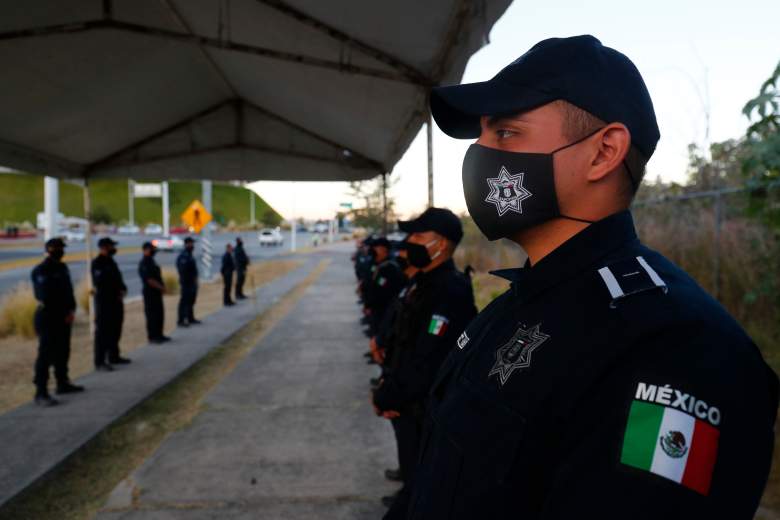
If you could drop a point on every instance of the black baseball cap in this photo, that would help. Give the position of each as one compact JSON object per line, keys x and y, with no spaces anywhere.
{"x":106,"y":241}
{"x":54,"y":242}
{"x":148,"y":245}
{"x":380,"y":241}
{"x":580,"y":70}
{"x":189,"y":239}
{"x":441,"y":220}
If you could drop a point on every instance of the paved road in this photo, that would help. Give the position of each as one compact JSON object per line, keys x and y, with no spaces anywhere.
{"x":128,"y":263}
{"x":288,"y":434}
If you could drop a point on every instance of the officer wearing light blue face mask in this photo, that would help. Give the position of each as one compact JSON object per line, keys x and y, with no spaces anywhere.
{"x":605,"y":383}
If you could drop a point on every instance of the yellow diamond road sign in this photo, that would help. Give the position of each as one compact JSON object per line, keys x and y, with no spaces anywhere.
{"x":196,"y":216}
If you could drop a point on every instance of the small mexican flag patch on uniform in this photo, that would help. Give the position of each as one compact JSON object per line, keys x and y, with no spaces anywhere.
{"x":438,"y":325}
{"x":672,"y":442}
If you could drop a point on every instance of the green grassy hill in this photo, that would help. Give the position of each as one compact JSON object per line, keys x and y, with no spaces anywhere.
{"x":21,"y":198}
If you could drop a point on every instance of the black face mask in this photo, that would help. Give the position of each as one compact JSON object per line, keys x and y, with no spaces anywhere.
{"x":418,"y":255}
{"x":402,"y":262}
{"x":56,"y":254}
{"x":507,"y":192}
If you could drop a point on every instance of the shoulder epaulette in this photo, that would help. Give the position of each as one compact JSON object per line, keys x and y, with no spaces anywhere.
{"x":630,"y":276}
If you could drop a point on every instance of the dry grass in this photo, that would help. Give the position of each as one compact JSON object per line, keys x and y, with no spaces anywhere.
{"x":171,"y":281}
{"x":83,"y":295}
{"x":18,"y":354}
{"x":17,"y":312}
{"x":79,"y":487}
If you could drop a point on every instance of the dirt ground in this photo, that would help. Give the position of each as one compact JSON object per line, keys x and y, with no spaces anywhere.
{"x":17,"y":355}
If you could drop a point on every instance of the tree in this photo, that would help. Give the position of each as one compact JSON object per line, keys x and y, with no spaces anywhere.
{"x":370,"y":193}
{"x":761,"y":163}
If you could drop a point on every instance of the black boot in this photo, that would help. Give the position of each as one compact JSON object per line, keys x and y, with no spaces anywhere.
{"x":68,"y":388}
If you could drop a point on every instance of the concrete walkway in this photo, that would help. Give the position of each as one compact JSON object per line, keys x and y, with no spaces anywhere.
{"x":289,"y":434}
{"x":33,"y":441}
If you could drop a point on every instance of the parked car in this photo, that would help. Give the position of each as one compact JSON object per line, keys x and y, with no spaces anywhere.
{"x":270,"y":237}
{"x":170,"y":243}
{"x":128,"y":230}
{"x":153,"y":229}
{"x":72,"y":235}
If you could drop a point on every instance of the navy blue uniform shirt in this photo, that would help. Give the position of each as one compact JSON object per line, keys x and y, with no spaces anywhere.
{"x":228,"y":266}
{"x":107,"y":279}
{"x":53,"y":287}
{"x":148,"y":269}
{"x":436,"y":307}
{"x":605,"y":383}
{"x":188,"y":269}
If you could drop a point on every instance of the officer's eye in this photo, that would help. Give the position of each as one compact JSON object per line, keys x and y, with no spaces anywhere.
{"x":504,"y":133}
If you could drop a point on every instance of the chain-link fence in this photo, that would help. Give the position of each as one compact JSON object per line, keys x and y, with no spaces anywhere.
{"x":732,"y":255}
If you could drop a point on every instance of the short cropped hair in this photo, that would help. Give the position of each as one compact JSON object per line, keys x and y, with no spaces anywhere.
{"x":578,"y":123}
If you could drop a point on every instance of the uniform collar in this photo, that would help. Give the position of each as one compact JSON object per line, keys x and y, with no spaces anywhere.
{"x":573,"y":256}
{"x":447,"y":265}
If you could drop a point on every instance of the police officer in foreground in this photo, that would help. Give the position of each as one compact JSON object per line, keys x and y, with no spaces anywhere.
{"x":53,"y":318}
{"x":242,"y":262}
{"x":153,"y":291}
{"x":110,"y":290}
{"x":188,"y":283}
{"x":383,"y":285}
{"x":436,"y":307}
{"x":605,"y":383}
{"x":227,"y":269}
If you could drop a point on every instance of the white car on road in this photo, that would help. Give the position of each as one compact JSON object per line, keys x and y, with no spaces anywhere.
{"x":171,"y":243}
{"x":128,"y":230}
{"x":153,"y":229}
{"x":270,"y":237}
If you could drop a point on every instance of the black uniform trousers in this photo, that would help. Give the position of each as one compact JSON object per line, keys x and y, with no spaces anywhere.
{"x":227,"y":280}
{"x":189,"y":293}
{"x":109,"y":317}
{"x":155,"y":313}
{"x":408,"y":430}
{"x":53,"y":349}
{"x":240,"y":279}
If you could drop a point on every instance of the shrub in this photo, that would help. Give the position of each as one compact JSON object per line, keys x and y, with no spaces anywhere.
{"x":171,"y":281}
{"x":17,"y":312}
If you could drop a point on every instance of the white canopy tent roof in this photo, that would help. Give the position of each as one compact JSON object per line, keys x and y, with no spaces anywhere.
{"x":226,"y":89}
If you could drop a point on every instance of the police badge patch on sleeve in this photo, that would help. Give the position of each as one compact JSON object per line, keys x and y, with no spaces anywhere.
{"x":516,"y":353}
{"x":672,"y":434}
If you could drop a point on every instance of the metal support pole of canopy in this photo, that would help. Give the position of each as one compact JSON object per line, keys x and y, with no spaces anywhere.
{"x":429,"y":128}
{"x":88,"y":260}
{"x":384,"y":203}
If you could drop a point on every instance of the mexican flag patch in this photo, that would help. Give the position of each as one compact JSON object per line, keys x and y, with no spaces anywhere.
{"x":678,"y":442}
{"x":438,"y":325}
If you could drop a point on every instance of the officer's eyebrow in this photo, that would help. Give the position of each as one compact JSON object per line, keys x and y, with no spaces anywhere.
{"x":498,"y":119}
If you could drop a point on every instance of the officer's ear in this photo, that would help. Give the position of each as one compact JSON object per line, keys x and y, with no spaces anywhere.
{"x":612,"y":145}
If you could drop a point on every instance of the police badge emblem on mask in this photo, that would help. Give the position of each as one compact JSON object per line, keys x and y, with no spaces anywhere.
{"x":507,"y":192}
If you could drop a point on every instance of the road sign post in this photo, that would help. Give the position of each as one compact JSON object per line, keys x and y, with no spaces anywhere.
{"x":197,"y":217}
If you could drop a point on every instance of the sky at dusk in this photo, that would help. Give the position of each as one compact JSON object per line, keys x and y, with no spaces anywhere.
{"x":697,"y":57}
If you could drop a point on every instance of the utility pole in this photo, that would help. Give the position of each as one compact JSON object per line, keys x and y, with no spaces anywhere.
{"x":130,"y":201}
{"x":51,"y":206}
{"x":88,"y":244}
{"x":206,"y":250}
{"x":252,"y":208}
{"x":166,"y":211}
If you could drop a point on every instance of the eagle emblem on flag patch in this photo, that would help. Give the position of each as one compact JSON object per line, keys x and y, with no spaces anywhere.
{"x":516,"y":353}
{"x":672,"y":434}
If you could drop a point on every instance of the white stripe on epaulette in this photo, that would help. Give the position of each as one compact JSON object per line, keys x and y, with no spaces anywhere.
{"x":617,"y":292}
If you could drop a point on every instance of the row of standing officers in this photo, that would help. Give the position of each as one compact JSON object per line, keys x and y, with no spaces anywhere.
{"x":415,"y":303}
{"x":54,"y":316}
